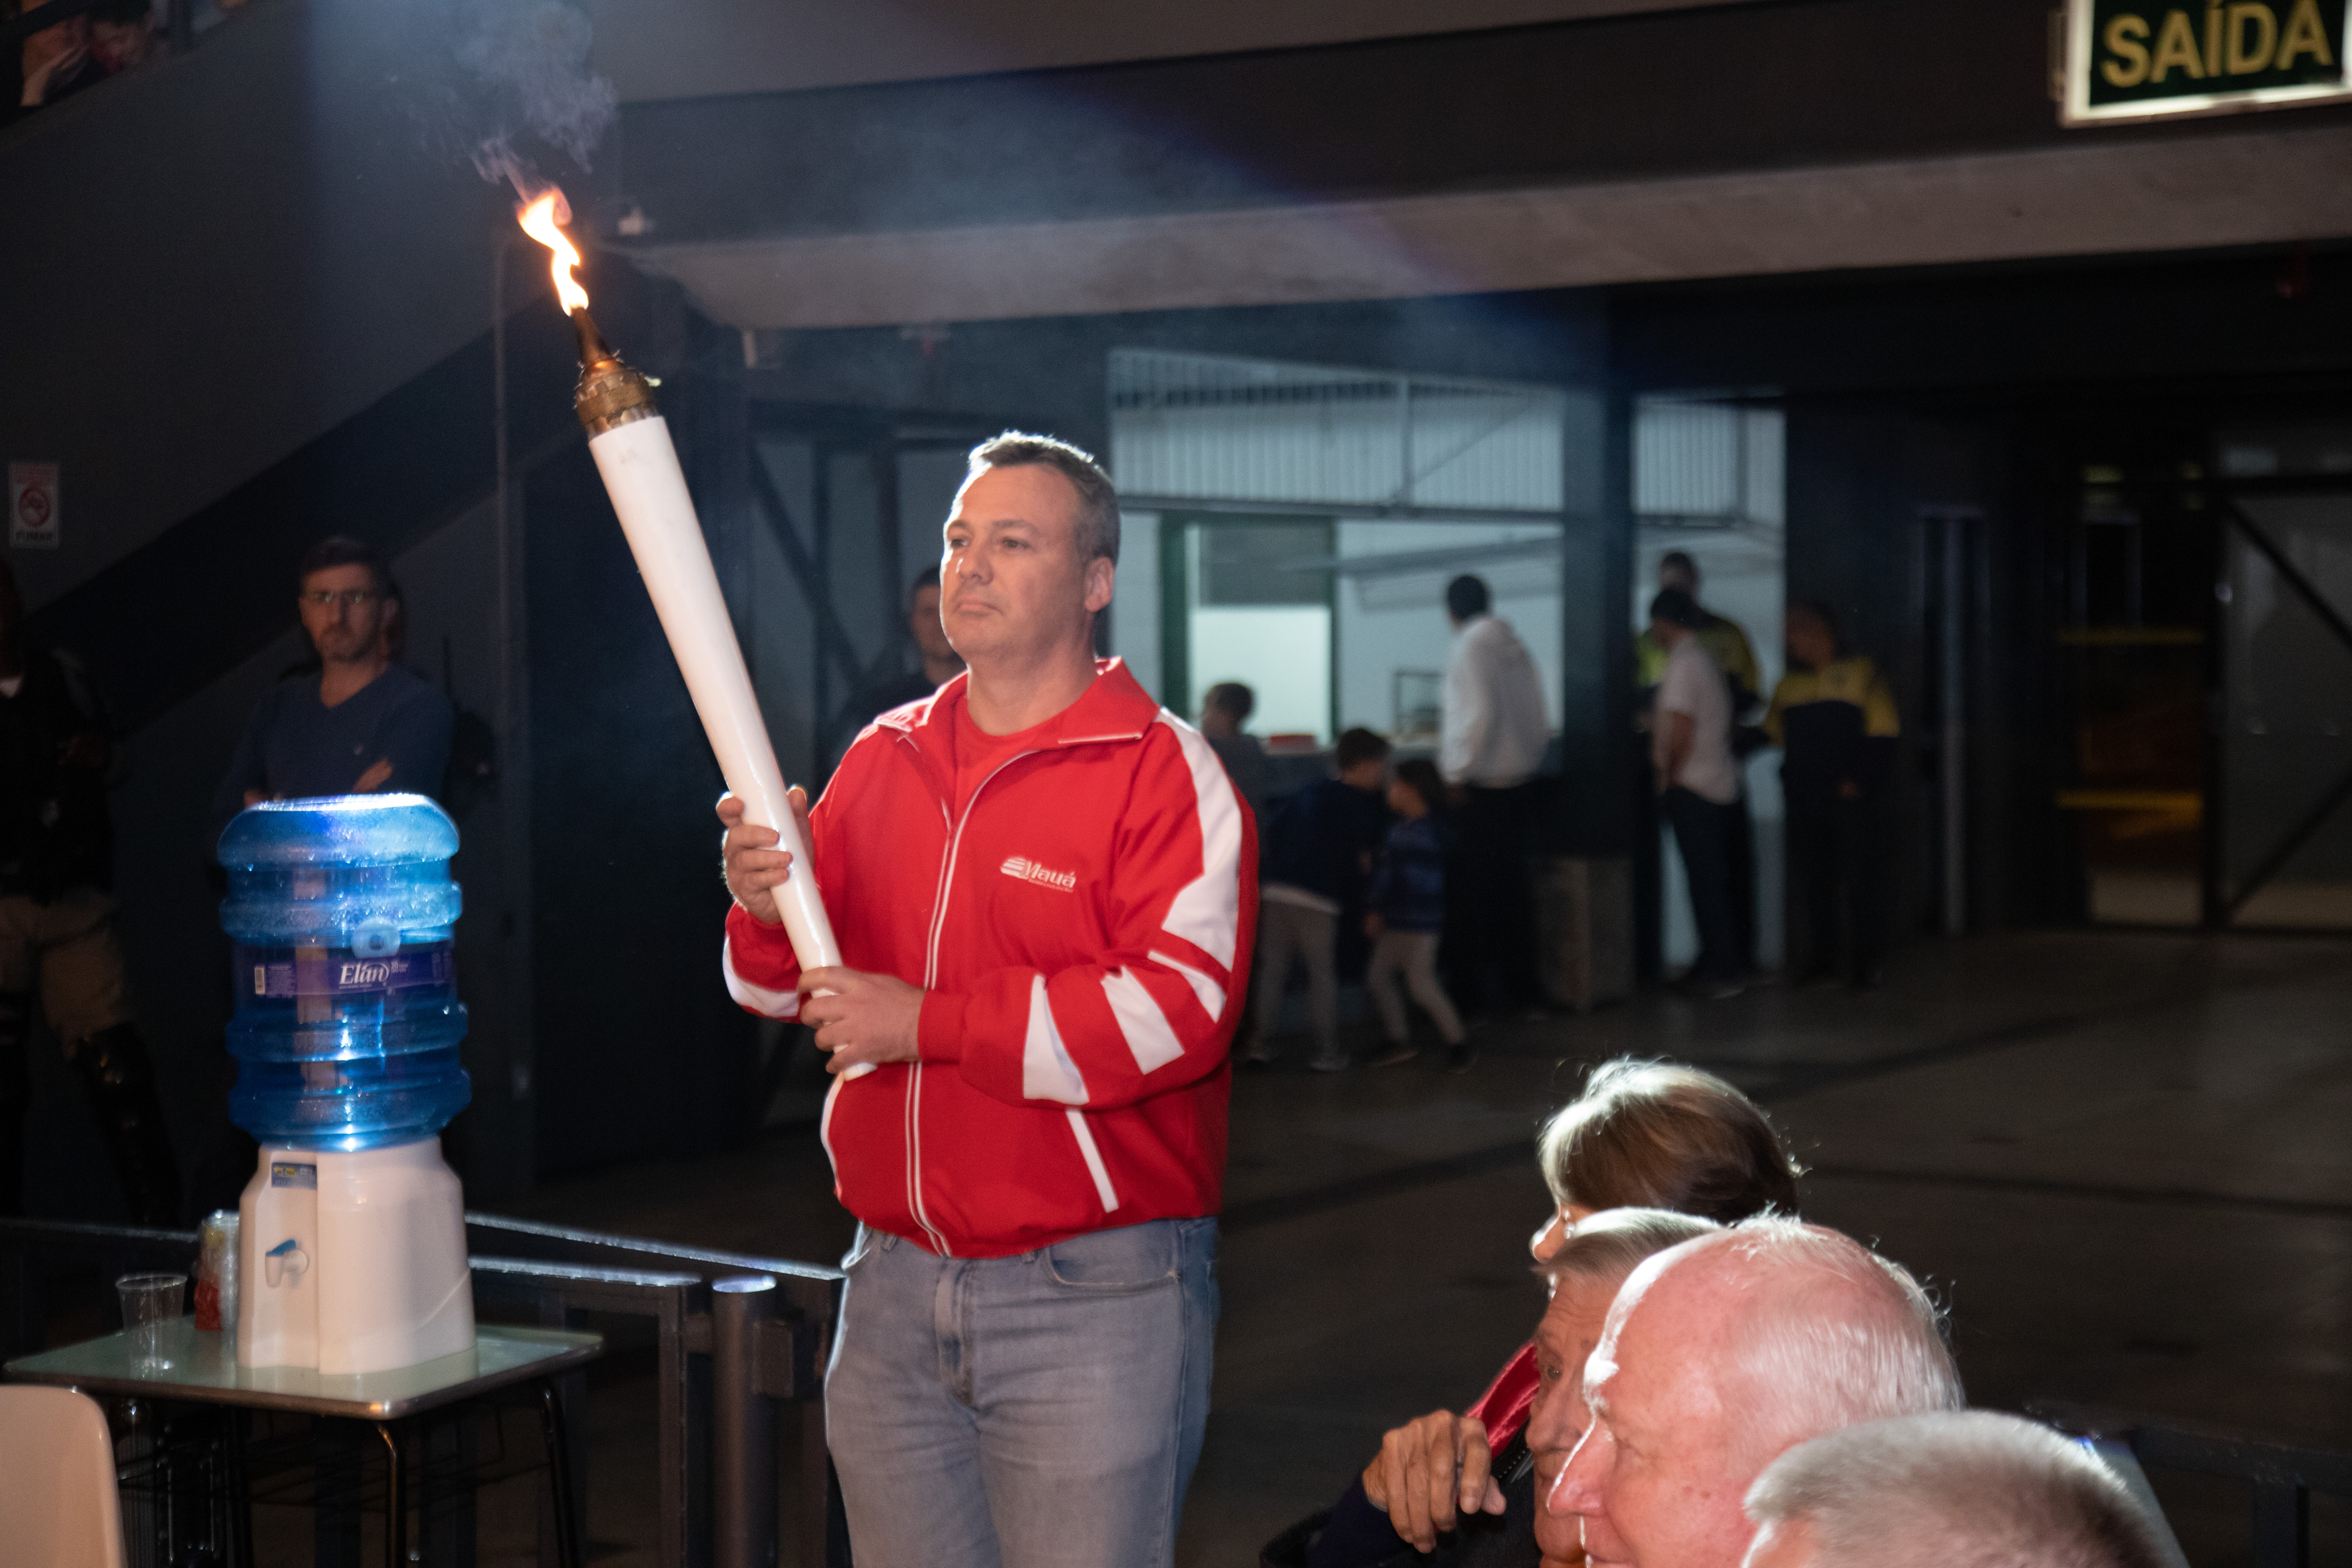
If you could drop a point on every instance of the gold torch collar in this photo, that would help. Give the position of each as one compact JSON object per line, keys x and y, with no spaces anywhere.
{"x":610,"y":394}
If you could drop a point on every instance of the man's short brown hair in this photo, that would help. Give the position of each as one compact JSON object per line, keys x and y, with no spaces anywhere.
{"x":1232,"y":698}
{"x":1097,"y":530}
{"x":341,"y":550}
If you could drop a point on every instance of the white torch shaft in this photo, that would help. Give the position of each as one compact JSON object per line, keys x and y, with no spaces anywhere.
{"x":648,"y":491}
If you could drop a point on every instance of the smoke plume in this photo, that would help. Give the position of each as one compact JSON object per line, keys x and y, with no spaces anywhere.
{"x":531,"y":57}
{"x":505,"y":85}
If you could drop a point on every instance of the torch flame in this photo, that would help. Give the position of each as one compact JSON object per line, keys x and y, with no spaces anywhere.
{"x":539,"y":220}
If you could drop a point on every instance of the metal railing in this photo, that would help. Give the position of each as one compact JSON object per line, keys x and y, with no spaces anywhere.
{"x":740,"y":1345}
{"x":2281,"y":1479}
{"x":767,"y":1350}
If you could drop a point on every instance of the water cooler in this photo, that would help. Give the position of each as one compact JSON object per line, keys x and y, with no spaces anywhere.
{"x":352,"y":1235}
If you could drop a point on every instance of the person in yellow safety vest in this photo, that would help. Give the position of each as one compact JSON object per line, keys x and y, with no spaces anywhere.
{"x":1723,"y":640}
{"x":1833,"y":716}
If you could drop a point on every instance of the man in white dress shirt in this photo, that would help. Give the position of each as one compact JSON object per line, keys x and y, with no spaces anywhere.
{"x":1698,"y":785}
{"x":1494,"y":729}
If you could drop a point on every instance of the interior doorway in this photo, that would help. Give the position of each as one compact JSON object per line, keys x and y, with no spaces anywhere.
{"x":2206,"y":657}
{"x":2134,"y":652}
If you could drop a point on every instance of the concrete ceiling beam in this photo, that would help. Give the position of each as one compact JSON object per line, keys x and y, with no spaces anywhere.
{"x":2159,"y":194}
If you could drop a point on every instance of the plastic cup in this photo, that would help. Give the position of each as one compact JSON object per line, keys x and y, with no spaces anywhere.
{"x":150,"y":1301}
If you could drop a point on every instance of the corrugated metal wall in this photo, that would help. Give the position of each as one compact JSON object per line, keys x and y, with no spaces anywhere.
{"x":1199,"y":426}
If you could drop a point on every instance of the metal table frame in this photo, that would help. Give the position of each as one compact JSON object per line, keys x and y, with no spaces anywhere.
{"x":563,"y":1277}
{"x":202,"y":1369}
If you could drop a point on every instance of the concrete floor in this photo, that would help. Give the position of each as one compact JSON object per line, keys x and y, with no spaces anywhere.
{"x":2121,"y":1160}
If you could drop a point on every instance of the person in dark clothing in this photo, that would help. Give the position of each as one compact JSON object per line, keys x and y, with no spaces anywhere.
{"x":1318,"y":851}
{"x":1407,"y":905}
{"x":56,"y":922}
{"x":1224,"y":708}
{"x":360,"y":723}
{"x":1834,"y":720}
{"x":892,"y":685}
{"x":1357,"y":1533}
{"x":1433,"y":1494}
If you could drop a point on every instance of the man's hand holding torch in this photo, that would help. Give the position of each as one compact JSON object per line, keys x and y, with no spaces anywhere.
{"x":861,"y":1020}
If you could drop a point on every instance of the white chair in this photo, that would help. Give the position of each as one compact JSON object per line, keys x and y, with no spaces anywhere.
{"x":57,"y":1481}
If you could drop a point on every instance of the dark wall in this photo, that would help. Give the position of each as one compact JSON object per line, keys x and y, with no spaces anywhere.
{"x":2049,"y":333}
{"x":224,"y":256}
{"x":639,"y":1050}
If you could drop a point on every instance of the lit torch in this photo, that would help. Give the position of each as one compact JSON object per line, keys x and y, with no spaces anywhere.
{"x":630,"y":441}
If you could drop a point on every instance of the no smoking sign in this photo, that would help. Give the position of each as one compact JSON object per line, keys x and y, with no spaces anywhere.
{"x":32,"y":505}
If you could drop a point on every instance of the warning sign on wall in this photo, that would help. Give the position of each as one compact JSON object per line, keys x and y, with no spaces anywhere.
{"x":32,"y":505}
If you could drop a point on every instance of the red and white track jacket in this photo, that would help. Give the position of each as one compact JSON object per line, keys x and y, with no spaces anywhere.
{"x":1082,"y":935}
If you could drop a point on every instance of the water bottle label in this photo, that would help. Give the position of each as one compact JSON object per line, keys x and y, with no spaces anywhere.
{"x":343,"y":971}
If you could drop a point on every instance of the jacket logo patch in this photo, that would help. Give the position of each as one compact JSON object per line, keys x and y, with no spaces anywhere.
{"x":1026,"y":870}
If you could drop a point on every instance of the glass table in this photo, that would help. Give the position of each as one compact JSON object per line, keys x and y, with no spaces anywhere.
{"x":199,"y":1368}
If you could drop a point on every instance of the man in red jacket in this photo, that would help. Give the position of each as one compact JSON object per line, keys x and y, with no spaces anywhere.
{"x":1044,"y":890}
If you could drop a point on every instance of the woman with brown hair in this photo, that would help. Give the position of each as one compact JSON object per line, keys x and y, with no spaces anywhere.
{"x":1654,"y":1135}
{"x":1645,"y":1135}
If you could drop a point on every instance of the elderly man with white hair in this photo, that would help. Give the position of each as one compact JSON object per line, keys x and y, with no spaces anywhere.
{"x":1966,"y":1490}
{"x":1719,"y":1357}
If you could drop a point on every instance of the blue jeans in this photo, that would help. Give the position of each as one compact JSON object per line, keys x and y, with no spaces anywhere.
{"x":1041,"y":1411}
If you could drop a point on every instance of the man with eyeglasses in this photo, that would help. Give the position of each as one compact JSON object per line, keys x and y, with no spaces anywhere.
{"x":360,"y":723}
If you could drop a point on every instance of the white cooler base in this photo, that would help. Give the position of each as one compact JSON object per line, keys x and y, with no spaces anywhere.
{"x":352,"y":1263}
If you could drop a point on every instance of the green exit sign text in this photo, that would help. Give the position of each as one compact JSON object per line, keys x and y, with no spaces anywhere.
{"x":2145,"y":59}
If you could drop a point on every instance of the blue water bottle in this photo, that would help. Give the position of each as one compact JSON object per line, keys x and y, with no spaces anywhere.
{"x":340,"y":910}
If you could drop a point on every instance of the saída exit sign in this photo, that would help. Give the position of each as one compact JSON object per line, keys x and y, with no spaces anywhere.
{"x":2151,"y":60}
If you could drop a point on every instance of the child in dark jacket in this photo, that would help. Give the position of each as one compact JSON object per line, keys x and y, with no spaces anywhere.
{"x":1319,"y":845}
{"x":1408,"y":909}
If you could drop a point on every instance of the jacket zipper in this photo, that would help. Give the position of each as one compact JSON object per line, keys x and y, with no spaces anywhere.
{"x":930,"y":978}
{"x":914,"y":1127}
